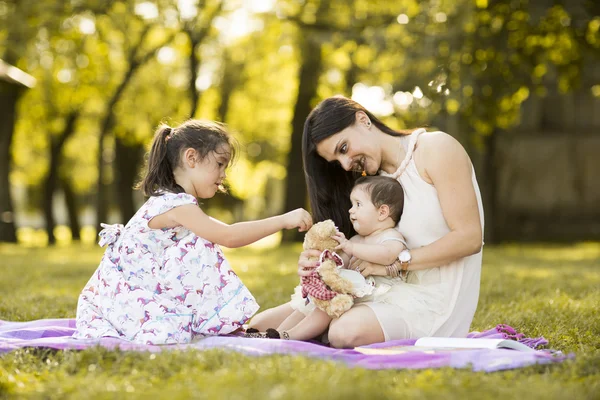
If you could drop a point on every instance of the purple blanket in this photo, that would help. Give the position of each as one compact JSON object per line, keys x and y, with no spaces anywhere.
{"x":56,"y":333}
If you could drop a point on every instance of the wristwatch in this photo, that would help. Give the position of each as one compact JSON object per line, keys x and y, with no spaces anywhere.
{"x":404,"y":257}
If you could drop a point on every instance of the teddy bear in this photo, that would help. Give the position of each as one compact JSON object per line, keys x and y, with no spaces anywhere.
{"x":328,"y":287}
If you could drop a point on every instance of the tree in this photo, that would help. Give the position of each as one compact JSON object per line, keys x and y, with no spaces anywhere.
{"x":197,"y":29}
{"x":18,"y":35}
{"x":10,"y":92}
{"x":51,"y":183}
{"x":309,"y":72}
{"x":136,"y":56}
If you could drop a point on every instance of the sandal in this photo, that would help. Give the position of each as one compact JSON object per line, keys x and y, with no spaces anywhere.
{"x":269,"y":334}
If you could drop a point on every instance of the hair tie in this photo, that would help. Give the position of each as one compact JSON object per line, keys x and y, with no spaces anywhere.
{"x":168,"y":133}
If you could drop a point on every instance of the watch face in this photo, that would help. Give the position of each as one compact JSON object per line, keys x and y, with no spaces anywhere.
{"x":404,"y":256}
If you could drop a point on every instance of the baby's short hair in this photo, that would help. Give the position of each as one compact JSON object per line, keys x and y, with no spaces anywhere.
{"x":384,"y":190}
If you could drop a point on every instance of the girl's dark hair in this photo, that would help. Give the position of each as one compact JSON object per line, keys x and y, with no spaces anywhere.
{"x":384,"y":190}
{"x":329,"y":185}
{"x":168,"y":146}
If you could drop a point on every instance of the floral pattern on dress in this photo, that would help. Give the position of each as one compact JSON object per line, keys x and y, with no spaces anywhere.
{"x":161,"y":286}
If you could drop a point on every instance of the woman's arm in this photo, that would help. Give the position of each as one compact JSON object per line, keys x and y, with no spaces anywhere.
{"x":443,"y":162}
{"x":235,"y":235}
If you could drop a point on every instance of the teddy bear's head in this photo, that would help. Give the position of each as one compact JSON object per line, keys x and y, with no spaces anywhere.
{"x":319,"y":237}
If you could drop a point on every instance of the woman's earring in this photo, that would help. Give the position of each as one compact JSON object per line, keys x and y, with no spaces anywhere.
{"x":368,"y":124}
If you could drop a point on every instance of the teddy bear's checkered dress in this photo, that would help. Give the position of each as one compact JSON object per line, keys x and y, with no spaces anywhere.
{"x":313,"y":284}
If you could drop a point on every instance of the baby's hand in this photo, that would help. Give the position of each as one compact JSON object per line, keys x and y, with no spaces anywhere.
{"x":299,"y":218}
{"x":344,"y":244}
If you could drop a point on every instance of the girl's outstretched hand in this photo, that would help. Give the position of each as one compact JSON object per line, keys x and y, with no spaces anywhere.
{"x":299,"y":218}
{"x":308,"y":261}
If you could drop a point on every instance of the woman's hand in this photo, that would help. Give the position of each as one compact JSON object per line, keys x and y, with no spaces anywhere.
{"x":366,"y":268}
{"x":308,"y":261}
{"x":344,"y":244}
{"x":299,"y":218}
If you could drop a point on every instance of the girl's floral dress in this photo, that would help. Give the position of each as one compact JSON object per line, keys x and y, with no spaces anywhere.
{"x":160,"y":286}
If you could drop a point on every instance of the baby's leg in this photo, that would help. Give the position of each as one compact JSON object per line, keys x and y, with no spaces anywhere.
{"x":271,"y":318}
{"x":291,"y":321}
{"x":310,"y":327}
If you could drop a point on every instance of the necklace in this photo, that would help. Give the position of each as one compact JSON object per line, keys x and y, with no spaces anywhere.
{"x":409,"y":153}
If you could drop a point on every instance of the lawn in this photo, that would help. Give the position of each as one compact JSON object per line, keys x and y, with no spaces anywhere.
{"x":546,"y":290}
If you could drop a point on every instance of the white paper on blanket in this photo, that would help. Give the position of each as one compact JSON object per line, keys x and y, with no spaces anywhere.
{"x":468,"y":343}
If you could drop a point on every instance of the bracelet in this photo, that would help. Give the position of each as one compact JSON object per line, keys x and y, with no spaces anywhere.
{"x":392,"y":270}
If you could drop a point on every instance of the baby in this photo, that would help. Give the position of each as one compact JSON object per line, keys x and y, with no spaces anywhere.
{"x":377,"y":205}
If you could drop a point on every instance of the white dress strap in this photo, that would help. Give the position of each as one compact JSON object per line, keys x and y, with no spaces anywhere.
{"x":393,"y":238}
{"x":412,"y":143}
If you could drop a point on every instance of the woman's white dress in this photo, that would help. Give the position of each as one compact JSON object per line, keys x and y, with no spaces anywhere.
{"x":439,"y":301}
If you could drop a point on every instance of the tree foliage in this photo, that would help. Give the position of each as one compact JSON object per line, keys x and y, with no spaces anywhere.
{"x":122,"y":67}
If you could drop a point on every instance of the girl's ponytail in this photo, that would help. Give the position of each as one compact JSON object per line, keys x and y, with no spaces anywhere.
{"x":159,"y":175}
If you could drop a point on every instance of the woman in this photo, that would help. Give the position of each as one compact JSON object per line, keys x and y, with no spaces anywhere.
{"x":442,"y":223}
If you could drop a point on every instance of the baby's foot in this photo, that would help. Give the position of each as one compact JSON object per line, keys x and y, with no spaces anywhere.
{"x":269,"y":334}
{"x":253,"y":333}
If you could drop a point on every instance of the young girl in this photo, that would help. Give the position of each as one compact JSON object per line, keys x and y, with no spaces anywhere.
{"x":163,"y":278}
{"x":377,"y":204}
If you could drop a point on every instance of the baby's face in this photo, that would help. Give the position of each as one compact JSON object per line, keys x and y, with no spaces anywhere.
{"x":363,"y":214}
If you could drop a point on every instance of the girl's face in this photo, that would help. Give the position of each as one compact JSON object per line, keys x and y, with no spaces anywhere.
{"x":363,"y":214}
{"x":354,"y":148}
{"x":208,"y":175}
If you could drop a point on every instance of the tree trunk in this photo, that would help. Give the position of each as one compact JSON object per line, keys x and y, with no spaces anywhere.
{"x":296,"y":192}
{"x":489,"y":195}
{"x":72,"y":209}
{"x":9,"y":95}
{"x":50,"y":185}
{"x":194,"y":64}
{"x":101,"y":186}
{"x":135,"y":62}
{"x":127,"y":159}
{"x":230,"y":80}
{"x":351,"y":77}
{"x":197,"y":34}
{"x":48,"y":196}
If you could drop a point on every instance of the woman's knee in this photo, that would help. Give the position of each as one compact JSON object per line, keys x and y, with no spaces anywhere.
{"x":343,"y":335}
{"x":357,"y":327}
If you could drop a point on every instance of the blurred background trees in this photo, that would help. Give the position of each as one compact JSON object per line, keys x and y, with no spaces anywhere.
{"x":515,"y":81}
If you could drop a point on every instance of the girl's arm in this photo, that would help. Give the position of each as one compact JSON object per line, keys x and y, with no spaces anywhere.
{"x":235,"y":235}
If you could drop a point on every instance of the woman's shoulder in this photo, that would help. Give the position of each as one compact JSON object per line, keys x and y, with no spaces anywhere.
{"x":436,"y":139}
{"x":439,"y":145}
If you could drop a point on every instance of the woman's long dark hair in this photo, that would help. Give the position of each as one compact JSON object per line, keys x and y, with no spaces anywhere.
{"x":329,"y":185}
{"x":167,"y":148}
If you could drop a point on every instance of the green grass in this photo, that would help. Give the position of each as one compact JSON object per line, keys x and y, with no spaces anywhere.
{"x":552,"y":291}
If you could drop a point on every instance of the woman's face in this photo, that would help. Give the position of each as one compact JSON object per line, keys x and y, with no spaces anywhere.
{"x":355,"y":148}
